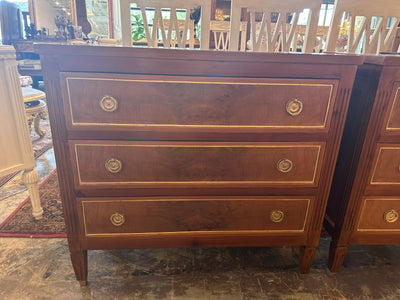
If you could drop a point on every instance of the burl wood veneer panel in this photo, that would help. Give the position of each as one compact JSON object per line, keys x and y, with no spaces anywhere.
{"x":193,"y":214}
{"x":157,"y":101}
{"x":182,"y":163}
{"x":378,"y":214}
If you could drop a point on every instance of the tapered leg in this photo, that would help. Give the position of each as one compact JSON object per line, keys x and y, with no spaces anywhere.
{"x":30,"y":179}
{"x":36,"y":124}
{"x":336,"y":257}
{"x":307,"y":255}
{"x":79,"y":262}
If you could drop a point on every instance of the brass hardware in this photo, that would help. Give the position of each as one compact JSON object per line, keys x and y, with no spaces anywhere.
{"x":113,"y":165}
{"x":391,"y":216}
{"x":108,"y":103}
{"x":294,"y":107}
{"x":284,"y":165}
{"x":277,"y":216}
{"x":117,"y":219}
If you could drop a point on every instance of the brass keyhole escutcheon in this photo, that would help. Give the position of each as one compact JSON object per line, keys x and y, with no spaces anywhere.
{"x":284,"y":165}
{"x":391,"y":216}
{"x":277,"y":216}
{"x":113,"y":165}
{"x":117,"y":219}
{"x":294,"y":107}
{"x":108,"y":103}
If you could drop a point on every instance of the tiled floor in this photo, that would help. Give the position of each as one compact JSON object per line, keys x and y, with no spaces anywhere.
{"x":41,"y":268}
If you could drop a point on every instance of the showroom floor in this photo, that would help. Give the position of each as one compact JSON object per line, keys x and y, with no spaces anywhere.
{"x":41,"y":269}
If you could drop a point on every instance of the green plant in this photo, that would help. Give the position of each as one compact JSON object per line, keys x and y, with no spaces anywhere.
{"x":138,"y":32}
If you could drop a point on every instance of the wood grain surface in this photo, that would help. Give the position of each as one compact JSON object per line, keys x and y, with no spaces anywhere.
{"x":209,"y":124}
{"x":196,"y":164}
{"x":187,"y":215}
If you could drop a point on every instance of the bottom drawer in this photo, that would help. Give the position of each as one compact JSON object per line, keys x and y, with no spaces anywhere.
{"x":144,"y":215}
{"x":380,"y":214}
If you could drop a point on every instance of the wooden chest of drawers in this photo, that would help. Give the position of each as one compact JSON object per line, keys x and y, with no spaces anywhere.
{"x":170,"y":148}
{"x":364,"y":204}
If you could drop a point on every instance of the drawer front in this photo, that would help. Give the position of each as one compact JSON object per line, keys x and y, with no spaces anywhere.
{"x":184,"y":164}
{"x":386,"y":166}
{"x":116,"y":216}
{"x":165,"y":101}
{"x":380,"y":214}
{"x":393,"y":121}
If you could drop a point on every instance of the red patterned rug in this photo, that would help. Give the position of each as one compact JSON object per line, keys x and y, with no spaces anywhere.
{"x":21,"y":223}
{"x":40,"y":145}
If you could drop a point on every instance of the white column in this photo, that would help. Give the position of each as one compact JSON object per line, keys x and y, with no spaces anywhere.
{"x":15,"y":142}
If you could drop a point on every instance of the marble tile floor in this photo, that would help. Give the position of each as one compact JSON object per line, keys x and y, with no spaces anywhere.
{"x":41,"y":268}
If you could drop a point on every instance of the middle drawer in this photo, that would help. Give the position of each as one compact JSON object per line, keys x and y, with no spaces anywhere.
{"x":195,"y":164}
{"x":386,"y":165}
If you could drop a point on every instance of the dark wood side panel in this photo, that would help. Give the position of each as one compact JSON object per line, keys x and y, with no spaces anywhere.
{"x":360,"y":108}
{"x":61,"y":151}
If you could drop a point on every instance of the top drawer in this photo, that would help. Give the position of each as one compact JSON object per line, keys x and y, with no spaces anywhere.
{"x":393,"y":120}
{"x":146,"y":102}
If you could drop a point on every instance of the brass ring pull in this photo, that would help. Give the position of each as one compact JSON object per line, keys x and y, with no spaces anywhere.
{"x":277,"y":216}
{"x":391,"y":216}
{"x":108,"y":103}
{"x":113,"y":165}
{"x":117,"y":219}
{"x":284,"y":165}
{"x":294,"y":107}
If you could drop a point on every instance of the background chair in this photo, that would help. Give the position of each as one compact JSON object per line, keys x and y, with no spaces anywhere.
{"x":35,"y":108}
{"x":266,"y":37}
{"x":177,"y":39}
{"x":321,"y":36}
{"x":158,"y":28}
{"x":366,"y":38}
{"x":221,"y":34}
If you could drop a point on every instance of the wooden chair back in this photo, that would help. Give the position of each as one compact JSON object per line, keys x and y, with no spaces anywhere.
{"x":299,"y":38}
{"x":266,"y":37}
{"x":172,"y":34}
{"x":365,"y":38}
{"x":220,"y":29}
{"x":178,"y":38}
{"x":321,"y":36}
